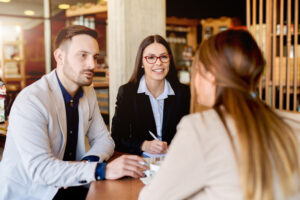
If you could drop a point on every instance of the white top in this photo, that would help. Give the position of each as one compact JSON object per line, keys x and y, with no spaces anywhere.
{"x":200,"y":163}
{"x":157,"y":104}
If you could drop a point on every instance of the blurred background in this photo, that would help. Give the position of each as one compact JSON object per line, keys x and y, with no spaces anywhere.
{"x":28,"y":29}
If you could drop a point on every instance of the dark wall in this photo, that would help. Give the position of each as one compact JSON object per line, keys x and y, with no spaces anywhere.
{"x":202,"y":9}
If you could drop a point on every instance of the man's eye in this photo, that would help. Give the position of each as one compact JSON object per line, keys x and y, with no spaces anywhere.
{"x":83,"y":55}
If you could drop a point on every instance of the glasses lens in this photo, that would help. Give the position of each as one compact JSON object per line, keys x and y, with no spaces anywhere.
{"x":164,"y":58}
{"x":151,"y":59}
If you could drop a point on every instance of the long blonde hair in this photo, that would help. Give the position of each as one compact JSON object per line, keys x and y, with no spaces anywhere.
{"x":266,"y":143}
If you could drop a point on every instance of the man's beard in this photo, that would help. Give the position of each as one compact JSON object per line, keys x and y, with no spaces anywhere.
{"x":81,"y":80}
{"x":90,"y":80}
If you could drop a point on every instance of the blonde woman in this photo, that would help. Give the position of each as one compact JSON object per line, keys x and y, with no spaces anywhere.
{"x":239,"y":148}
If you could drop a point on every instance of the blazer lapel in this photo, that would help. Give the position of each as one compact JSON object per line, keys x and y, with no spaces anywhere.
{"x":168,"y":105}
{"x":145,"y":112}
{"x":83,"y":111}
{"x":58,"y":100}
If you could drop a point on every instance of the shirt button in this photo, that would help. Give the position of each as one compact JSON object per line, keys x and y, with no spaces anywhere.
{"x":71,"y":132}
{"x":70,"y":154}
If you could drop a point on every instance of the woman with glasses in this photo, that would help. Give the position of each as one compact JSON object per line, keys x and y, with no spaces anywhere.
{"x":240,"y":148}
{"x":152,"y":101}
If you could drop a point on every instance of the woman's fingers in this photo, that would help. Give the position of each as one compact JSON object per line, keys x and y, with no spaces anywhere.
{"x":158,"y":146}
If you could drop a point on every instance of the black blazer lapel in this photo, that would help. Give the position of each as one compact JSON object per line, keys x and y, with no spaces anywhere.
{"x":169,"y":103}
{"x":144,"y":112}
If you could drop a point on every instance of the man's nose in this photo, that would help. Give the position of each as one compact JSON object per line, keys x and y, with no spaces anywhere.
{"x":91,"y":63}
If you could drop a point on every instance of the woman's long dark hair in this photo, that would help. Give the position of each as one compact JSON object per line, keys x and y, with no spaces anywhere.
{"x":138,"y":71}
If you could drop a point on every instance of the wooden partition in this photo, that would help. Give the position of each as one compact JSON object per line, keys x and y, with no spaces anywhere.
{"x":274,"y":24}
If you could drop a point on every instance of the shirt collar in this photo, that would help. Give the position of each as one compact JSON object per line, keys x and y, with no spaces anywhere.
{"x":66,"y":95}
{"x":167,"y":89}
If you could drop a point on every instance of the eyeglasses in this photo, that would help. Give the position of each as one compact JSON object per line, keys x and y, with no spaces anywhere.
{"x":153,"y":59}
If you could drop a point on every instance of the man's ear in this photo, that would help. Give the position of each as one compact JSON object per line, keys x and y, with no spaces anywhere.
{"x":59,"y":56}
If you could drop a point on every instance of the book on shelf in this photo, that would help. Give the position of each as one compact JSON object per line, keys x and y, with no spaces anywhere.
{"x":12,"y":71}
{"x":11,"y":68}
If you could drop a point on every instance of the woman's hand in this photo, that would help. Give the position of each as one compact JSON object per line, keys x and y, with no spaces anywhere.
{"x":154,"y":146}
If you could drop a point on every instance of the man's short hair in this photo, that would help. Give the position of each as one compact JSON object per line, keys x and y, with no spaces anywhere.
{"x":70,"y":31}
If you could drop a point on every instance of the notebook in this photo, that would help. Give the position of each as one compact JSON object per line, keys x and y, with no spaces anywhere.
{"x":151,"y":155}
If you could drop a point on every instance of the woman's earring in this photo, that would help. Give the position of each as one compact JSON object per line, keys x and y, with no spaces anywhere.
{"x":142,"y":66}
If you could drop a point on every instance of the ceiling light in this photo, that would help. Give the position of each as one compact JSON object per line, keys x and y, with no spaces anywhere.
{"x":29,"y":12}
{"x":63,"y":6}
{"x":18,"y":28}
{"x":4,"y":1}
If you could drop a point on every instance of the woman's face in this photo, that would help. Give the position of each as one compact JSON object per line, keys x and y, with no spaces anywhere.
{"x":205,"y":87}
{"x":156,"y":62}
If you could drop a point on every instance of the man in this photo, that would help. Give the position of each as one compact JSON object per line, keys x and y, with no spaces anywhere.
{"x":45,"y":149}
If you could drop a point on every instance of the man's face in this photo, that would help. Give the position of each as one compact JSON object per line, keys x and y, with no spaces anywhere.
{"x":81,"y":55}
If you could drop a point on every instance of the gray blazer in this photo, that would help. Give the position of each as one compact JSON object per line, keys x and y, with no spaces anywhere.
{"x":32,"y":166}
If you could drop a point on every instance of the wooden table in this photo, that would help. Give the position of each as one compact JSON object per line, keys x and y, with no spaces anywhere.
{"x":124,"y":189}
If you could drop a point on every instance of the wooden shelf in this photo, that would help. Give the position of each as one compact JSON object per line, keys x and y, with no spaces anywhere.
{"x":13,"y":60}
{"x":102,"y":95}
{"x":104,"y":112}
{"x":13,"y":77}
{"x":13,"y":68}
{"x":86,"y":9}
{"x":182,"y":21}
{"x":3,"y":128}
{"x":103,"y":103}
{"x":100,"y":70}
{"x":100,"y":78}
{"x":36,"y":77}
{"x":15,"y":43}
{"x":184,"y":25}
{"x":12,"y":87}
{"x":101,"y":84}
{"x":211,"y":26}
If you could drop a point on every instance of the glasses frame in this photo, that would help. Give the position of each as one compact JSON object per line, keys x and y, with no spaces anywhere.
{"x":146,"y":58}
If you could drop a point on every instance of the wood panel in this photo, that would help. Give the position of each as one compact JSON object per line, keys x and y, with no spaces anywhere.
{"x":277,"y":35}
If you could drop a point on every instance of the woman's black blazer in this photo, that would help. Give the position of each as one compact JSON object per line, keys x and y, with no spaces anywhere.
{"x":134,"y":117}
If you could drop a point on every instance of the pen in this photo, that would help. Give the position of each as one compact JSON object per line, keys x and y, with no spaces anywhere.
{"x":153,"y":135}
{"x":156,"y":138}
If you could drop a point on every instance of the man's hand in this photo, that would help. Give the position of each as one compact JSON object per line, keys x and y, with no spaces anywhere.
{"x":126,"y":165}
{"x":155,"y":146}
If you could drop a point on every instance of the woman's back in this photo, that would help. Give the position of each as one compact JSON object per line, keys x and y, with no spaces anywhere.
{"x":206,"y":167}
